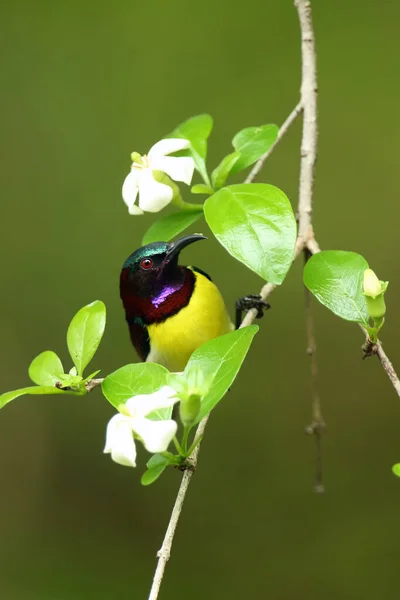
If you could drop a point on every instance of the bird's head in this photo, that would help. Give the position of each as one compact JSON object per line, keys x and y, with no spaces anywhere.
{"x":152,"y":266}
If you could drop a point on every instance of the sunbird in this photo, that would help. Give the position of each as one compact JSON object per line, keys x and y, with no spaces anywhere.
{"x":172,"y":309}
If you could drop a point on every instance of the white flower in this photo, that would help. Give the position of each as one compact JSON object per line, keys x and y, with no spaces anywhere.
{"x":153,"y":196}
{"x":155,"y":435}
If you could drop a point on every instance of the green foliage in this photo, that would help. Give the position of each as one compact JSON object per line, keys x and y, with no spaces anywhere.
{"x":396,"y":469}
{"x":46,"y":369}
{"x":135,"y":379}
{"x":252,"y":143}
{"x":219,"y":361}
{"x":85,"y":332}
{"x":35,"y":391}
{"x":168,"y":227}
{"x":256,"y":225}
{"x":196,"y":130}
{"x":155,"y":467}
{"x":336,"y":280}
{"x":221,"y":173}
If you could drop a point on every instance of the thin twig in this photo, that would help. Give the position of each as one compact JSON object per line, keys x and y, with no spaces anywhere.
{"x":370,"y":349}
{"x":310,"y":131}
{"x":307,"y":168}
{"x":318,"y":424}
{"x":165,"y":551}
{"x":284,"y":128}
{"x":305,"y":233}
{"x":387,"y":365}
{"x":92,"y":383}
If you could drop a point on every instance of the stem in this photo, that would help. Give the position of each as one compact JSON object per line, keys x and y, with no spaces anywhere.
{"x":185,"y":440}
{"x":191,"y":207}
{"x":318,"y":424}
{"x":284,"y":128}
{"x":305,"y":236}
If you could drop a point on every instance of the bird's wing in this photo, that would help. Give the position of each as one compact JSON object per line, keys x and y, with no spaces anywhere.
{"x":139,"y":338}
{"x":198,"y":270}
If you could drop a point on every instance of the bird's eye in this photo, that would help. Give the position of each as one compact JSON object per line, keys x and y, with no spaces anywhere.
{"x":146,"y":264}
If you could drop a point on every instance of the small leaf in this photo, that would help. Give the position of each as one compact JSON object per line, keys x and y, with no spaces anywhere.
{"x":252,"y":143}
{"x":201,"y":188}
{"x":32,"y":390}
{"x":221,"y":173}
{"x":255,"y":223}
{"x":151,"y":475}
{"x":219,"y":360}
{"x":196,"y":130}
{"x":157,"y":460}
{"x":168,"y":227}
{"x":85,"y":332}
{"x":135,"y":379}
{"x":396,"y":469}
{"x":46,"y":368}
{"x":91,"y":376}
{"x":336,"y":278}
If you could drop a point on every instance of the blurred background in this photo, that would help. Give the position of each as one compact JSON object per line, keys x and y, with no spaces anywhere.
{"x":84,"y":84}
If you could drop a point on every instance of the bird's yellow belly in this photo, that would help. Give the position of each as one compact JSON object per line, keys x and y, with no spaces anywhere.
{"x":205,"y":317}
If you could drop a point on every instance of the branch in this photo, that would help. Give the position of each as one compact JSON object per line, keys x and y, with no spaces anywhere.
{"x":307,"y":172}
{"x":317,"y":425}
{"x":308,"y":153}
{"x":287,"y":124}
{"x":388,"y":367}
{"x":92,"y":383}
{"x":310,"y":131}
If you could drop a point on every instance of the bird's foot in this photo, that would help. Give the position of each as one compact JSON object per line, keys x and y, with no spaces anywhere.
{"x":247,"y":303}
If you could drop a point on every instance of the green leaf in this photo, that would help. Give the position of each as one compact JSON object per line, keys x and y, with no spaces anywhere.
{"x":85,"y":332}
{"x":201,"y":188}
{"x":252,"y":143}
{"x":256,"y":225}
{"x":157,"y":460}
{"x":46,"y":368}
{"x":396,"y":469}
{"x":91,"y":376}
{"x":221,"y":173}
{"x":336,"y":279}
{"x":32,"y":390}
{"x":135,"y":379}
{"x":196,"y":130}
{"x":168,"y":227}
{"x":151,"y":475}
{"x":219,"y":360}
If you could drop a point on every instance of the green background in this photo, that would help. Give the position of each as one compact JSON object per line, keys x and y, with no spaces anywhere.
{"x":82,"y":85}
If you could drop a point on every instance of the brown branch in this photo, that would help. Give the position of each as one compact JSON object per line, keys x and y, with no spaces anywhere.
{"x":308,"y":154}
{"x":370,"y":349}
{"x":306,"y":235}
{"x":92,"y":383}
{"x":317,"y":425}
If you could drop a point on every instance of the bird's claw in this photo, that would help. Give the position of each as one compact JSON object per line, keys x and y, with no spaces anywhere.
{"x":252,"y":301}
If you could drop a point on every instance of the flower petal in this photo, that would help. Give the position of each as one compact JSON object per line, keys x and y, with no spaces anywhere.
{"x":130,"y":190}
{"x":155,"y":435}
{"x":119,"y":441}
{"x":178,"y":168}
{"x":153,"y":196}
{"x":167,"y":147}
{"x":144,"y":404}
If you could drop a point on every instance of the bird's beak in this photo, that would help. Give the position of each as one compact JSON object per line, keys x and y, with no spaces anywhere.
{"x":174,"y":248}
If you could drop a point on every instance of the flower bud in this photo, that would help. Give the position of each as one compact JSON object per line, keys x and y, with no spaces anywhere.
{"x":136,"y":158}
{"x":189,"y":409}
{"x":371,"y":285}
{"x":374,"y":291}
